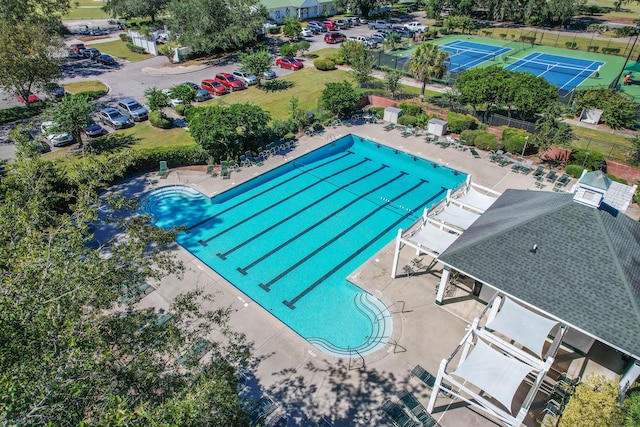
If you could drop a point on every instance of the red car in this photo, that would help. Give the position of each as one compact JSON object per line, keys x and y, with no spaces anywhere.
{"x":290,"y":63}
{"x":214,"y":87}
{"x":333,"y":38}
{"x":331,"y":25}
{"x":230,"y":81}
{"x":26,"y":97}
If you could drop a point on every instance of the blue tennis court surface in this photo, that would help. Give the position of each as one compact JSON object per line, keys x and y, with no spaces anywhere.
{"x":464,"y":54}
{"x":561,"y":71}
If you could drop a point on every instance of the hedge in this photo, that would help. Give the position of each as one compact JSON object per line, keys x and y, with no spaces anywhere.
{"x":470,"y":136}
{"x":616,"y":179}
{"x":410,"y":108}
{"x":487,"y":141}
{"x":274,"y":30}
{"x":159,"y":120}
{"x":592,"y":162}
{"x":22,"y":112}
{"x":407,"y":119}
{"x":324,"y":64}
{"x":514,"y":140}
{"x":179,"y":109}
{"x":574,"y":170}
{"x":459,"y":122}
{"x":125,"y":37}
{"x":379,"y":111}
{"x":136,"y":49}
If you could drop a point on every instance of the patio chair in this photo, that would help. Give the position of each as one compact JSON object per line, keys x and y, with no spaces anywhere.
{"x":264,"y":155}
{"x":540,"y":181}
{"x":497,"y":156}
{"x":252,"y":159}
{"x":462,"y":145}
{"x":505,"y":160}
{"x":427,"y":379}
{"x":517,"y":165}
{"x":264,"y":407}
{"x":474,"y":153}
{"x":564,"y":179}
{"x":408,"y":270}
{"x":552,"y":176}
{"x":415,"y":407}
{"x":209,"y":170}
{"x":417,"y":263}
{"x":397,"y":415}
{"x":271,"y":147}
{"x":539,"y":171}
{"x":163,"y":171}
{"x":195,"y":352}
{"x":526,"y":167}
{"x":408,"y":131}
{"x":224,"y":170}
{"x":233,"y":165}
{"x":389,"y":127}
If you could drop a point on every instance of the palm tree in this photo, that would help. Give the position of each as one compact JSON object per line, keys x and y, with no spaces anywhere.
{"x":428,"y":61}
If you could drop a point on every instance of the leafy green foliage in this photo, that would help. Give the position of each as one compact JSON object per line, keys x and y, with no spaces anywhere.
{"x":514,"y":140}
{"x":550,"y":131}
{"x":378,"y":111}
{"x":156,"y":99}
{"x":575,"y":171}
{"x":180,"y":109}
{"x":134,"y":48}
{"x":299,"y":116}
{"x":487,"y":141}
{"x":362,"y":66}
{"x":280,"y":128}
{"x":594,"y":403}
{"x":459,"y":122}
{"x":618,"y":109}
{"x":160,"y":120}
{"x":229,"y":131}
{"x":364,"y":6}
{"x":427,"y":62}
{"x":210,"y":25}
{"x":470,"y":136}
{"x":392,"y":82}
{"x":291,"y":27}
{"x":592,"y":161}
{"x":340,"y":98}
{"x":410,"y":108}
{"x":324,"y":64}
{"x":631,"y":406}
{"x":407,"y":119}
{"x":288,"y":50}
{"x":22,"y":112}
{"x":136,"y":8}
{"x":454,"y":22}
{"x":71,"y":115}
{"x":256,"y":63}
{"x":31,"y":12}
{"x":183,"y":92}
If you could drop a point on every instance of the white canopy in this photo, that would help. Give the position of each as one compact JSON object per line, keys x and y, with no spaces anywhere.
{"x":523,"y":326}
{"x":493,"y":372}
{"x":475,"y":199}
{"x":457,"y":216}
{"x":433,"y":238}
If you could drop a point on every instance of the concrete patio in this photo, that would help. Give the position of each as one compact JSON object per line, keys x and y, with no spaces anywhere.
{"x":310,"y":384}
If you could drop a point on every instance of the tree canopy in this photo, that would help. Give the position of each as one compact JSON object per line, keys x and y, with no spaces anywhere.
{"x":256,"y":63}
{"x":364,"y":6}
{"x":427,"y":62}
{"x":291,"y":27}
{"x":210,"y":25}
{"x":228,"y":131}
{"x":340,"y":98}
{"x":71,"y":115}
{"x":136,"y":8}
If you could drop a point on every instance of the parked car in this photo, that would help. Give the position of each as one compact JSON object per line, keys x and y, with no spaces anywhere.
{"x":378,"y":37}
{"x":318,"y":25}
{"x":27,"y":96}
{"x":268,"y":75}
{"x":113,"y":118}
{"x":230,"y":81}
{"x":290,"y":63}
{"x":173,"y":102}
{"x":105,"y":59}
{"x":333,"y":38}
{"x":379,"y":25}
{"x":77,"y":47}
{"x":94,"y":130}
{"x":306,"y":32}
{"x":363,"y":20}
{"x":201,"y":94}
{"x":368,"y":42}
{"x":132,"y":109}
{"x":91,"y":53}
{"x":329,"y":24}
{"x":214,"y":87}
{"x":343,"y":24}
{"x":249,"y":79}
{"x":75,"y":55}
{"x":56,"y":139}
{"x":54,"y":90}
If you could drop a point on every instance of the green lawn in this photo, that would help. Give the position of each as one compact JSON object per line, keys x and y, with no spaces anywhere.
{"x":119,"y":49}
{"x":84,"y":86}
{"x":93,"y":3}
{"x":609,"y":144}
{"x":150,"y":137}
{"x":86,"y":13}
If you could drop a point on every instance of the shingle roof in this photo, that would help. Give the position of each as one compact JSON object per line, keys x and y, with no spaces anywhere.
{"x":585,"y":271}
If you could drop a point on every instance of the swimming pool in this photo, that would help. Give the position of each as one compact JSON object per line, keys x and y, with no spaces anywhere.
{"x":290,"y":237}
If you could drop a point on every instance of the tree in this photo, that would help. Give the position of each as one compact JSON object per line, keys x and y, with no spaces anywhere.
{"x":362,"y":67}
{"x":340,"y":98}
{"x":29,"y":56}
{"x":479,"y":86}
{"x":594,"y":403}
{"x":72,"y":355}
{"x":453,"y":22}
{"x":228,"y":131}
{"x":631,"y":406}
{"x":391,"y":40}
{"x":42,"y":12}
{"x":428,"y":61}
{"x":392,"y":82}
{"x":71,"y":115}
{"x":256,"y":63}
{"x":291,"y":27}
{"x":289,"y":50}
{"x":550,"y":131}
{"x":156,"y":99}
{"x":299,"y":116}
{"x":529,"y":94}
{"x":434,"y":8}
{"x":136,"y":8}
{"x":364,"y":6}
{"x":618,"y":109}
{"x":185,"y":93}
{"x":209,"y":25}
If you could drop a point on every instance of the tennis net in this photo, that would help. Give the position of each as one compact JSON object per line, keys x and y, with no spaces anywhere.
{"x":474,"y":53}
{"x":550,"y":66}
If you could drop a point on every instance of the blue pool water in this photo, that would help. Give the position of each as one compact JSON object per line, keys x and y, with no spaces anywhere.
{"x":290,"y":237}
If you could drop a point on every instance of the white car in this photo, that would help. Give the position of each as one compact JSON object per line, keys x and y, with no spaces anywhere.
{"x":56,"y":139}
{"x":306,"y":32}
{"x":249,"y":79}
{"x":173,"y":102}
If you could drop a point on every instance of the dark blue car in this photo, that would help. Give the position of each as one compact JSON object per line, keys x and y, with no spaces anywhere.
{"x":94,"y":130}
{"x":105,"y":59}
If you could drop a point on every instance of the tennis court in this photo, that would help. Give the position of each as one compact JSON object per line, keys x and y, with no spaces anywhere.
{"x":561,"y":71}
{"x":465,"y":54}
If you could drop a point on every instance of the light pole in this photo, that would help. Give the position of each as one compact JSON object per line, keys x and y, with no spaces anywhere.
{"x":526,"y":140}
{"x":585,"y":159}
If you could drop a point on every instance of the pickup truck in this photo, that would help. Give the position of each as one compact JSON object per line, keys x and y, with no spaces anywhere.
{"x":416,"y":27}
{"x":368,"y":43}
{"x":378,"y":25}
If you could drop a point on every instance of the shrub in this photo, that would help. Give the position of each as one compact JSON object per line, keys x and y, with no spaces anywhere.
{"x":180,"y":108}
{"x":460,"y":122}
{"x":470,"y":136}
{"x":379,"y":111}
{"x":591,"y":162}
{"x":22,"y":112}
{"x":410,"y":108}
{"x":324,"y":64}
{"x":288,"y":50}
{"x":136,"y":49}
{"x":616,"y":179}
{"x":422,"y":120}
{"x":125,"y":37}
{"x":514,"y":139}
{"x":159,"y":120}
{"x":487,"y":141}
{"x":317,"y":126}
{"x":189,"y":111}
{"x":574,"y":170}
{"x":572,"y":45}
{"x":407,"y":119}
{"x":91,"y":94}
{"x":282,"y":127}
{"x":274,"y":30}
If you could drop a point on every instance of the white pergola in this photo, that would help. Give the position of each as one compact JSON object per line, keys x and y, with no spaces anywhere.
{"x":504,"y":345}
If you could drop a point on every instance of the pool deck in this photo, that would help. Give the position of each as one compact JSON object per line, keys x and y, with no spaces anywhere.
{"x":307,"y":383}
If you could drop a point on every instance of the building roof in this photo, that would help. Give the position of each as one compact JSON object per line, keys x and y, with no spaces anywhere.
{"x":596,"y":179}
{"x":584,"y":270}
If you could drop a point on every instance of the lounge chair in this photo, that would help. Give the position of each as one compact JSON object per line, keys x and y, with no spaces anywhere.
{"x":252,"y":159}
{"x":397,"y":415}
{"x":135,"y":293}
{"x":564,"y":179}
{"x":209,"y":170}
{"x":474,"y":153}
{"x":408,"y":131}
{"x":389,"y":127}
{"x":408,"y":270}
{"x":427,"y":379}
{"x":322,"y":422}
{"x":417,"y":263}
{"x":162,"y":173}
{"x":415,"y":407}
{"x":540,"y":181}
{"x":539,"y":171}
{"x":497,"y":156}
{"x":195,"y":352}
{"x":527,"y":167}
{"x":264,"y":155}
{"x":462,"y":145}
{"x":505,"y":160}
{"x":233,"y":165}
{"x":517,"y":165}
{"x":552,"y":176}
{"x":263,"y":409}
{"x":224,"y":170}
